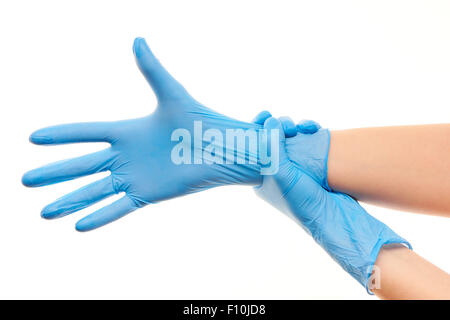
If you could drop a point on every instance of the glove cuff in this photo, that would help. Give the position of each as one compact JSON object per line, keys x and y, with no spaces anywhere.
{"x":391,"y":239}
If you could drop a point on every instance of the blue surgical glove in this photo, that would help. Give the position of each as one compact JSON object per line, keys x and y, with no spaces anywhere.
{"x":336,"y":221}
{"x":307,"y":146}
{"x":143,"y":157}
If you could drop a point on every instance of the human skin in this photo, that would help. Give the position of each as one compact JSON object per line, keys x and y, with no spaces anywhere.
{"x":404,"y":275}
{"x":403,"y":167}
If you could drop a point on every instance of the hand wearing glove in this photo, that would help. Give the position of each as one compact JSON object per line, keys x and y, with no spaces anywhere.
{"x":142,"y":159}
{"x":336,"y":221}
{"x":307,"y":147}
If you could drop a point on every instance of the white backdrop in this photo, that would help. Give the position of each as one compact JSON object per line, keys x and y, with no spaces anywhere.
{"x":345,"y":64}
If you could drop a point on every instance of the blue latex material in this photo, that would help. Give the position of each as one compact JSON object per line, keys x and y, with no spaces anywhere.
{"x":336,"y":221}
{"x":307,"y":147}
{"x":139,"y":156}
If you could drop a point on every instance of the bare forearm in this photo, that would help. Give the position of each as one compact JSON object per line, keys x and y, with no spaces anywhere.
{"x":405,"y":275}
{"x":406,"y":167}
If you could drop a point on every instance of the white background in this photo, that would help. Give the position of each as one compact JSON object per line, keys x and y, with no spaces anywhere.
{"x":343,"y":63}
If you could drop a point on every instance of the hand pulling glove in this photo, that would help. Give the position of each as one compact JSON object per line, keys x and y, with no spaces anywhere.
{"x":337,"y":222}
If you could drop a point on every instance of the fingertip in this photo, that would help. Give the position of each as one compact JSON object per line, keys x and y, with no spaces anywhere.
{"x":308,"y":126}
{"x":83,"y":225}
{"x":39,"y":137}
{"x":46,"y":215}
{"x":49,"y":212}
{"x":140,"y":47}
{"x":79,"y":229}
{"x":33,"y":178}
{"x":137,"y":39}
{"x":272,"y":123}
{"x":290,"y":130}
{"x":28,"y":179}
{"x":136,"y":44}
{"x":265,"y":114}
{"x":261,"y":117}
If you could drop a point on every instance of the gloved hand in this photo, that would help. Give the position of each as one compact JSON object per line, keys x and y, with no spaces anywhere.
{"x":307,"y":147}
{"x":336,"y":221}
{"x":146,"y":159}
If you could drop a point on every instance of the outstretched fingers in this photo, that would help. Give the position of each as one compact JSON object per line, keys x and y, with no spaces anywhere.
{"x":163,"y":84}
{"x":75,"y":132}
{"x":80,"y":199}
{"x":69,"y":169}
{"x":107,"y":214}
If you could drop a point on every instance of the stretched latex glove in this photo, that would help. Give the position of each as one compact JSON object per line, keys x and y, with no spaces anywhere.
{"x":351,"y":236}
{"x":140,"y":153}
